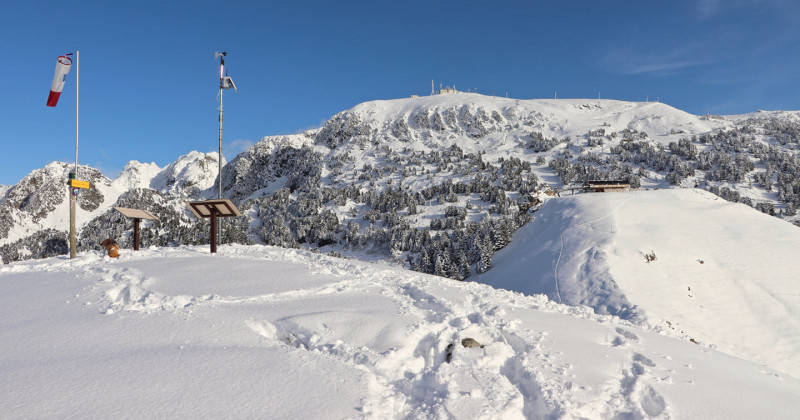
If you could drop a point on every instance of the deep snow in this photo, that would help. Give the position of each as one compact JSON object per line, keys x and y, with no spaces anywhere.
{"x":263,"y":332}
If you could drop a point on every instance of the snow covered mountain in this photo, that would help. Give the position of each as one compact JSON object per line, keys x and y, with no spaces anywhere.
{"x":34,"y":216}
{"x":422,"y":180}
{"x":437,"y":183}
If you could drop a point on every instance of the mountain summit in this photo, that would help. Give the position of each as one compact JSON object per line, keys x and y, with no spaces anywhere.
{"x":438,"y":183}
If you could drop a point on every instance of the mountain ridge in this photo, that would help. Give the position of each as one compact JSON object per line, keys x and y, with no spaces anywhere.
{"x":445,"y":177}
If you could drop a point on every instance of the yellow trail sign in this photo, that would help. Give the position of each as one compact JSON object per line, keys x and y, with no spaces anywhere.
{"x":78,"y":184}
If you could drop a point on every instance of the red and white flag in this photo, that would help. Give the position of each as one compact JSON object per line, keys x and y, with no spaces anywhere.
{"x":62,"y":68}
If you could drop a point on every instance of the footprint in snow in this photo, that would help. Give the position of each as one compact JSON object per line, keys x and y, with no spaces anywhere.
{"x":652,"y":402}
{"x":627,"y":334}
{"x":637,"y":357}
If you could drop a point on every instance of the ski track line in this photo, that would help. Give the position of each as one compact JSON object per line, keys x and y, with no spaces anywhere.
{"x":561,"y":251}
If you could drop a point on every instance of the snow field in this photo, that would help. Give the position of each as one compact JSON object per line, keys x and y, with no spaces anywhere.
{"x":268,"y":332}
{"x":728,"y":279}
{"x":724,"y":274}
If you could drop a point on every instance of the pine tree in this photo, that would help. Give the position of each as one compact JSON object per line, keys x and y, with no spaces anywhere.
{"x":463,"y":266}
{"x":425,"y":265}
{"x":442,"y":266}
{"x":486,"y":251}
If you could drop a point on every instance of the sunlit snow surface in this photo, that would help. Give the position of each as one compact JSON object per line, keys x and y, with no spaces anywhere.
{"x":263,"y":332}
{"x":725,"y":275}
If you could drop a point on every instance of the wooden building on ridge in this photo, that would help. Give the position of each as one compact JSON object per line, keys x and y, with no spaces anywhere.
{"x":607,"y":186}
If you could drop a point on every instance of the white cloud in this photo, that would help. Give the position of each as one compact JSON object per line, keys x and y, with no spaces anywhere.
{"x":628,"y":61}
{"x":231,"y":149}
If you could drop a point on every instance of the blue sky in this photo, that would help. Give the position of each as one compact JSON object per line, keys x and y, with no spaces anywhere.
{"x":148,"y":76}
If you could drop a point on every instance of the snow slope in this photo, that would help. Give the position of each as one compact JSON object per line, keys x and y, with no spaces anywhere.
{"x":724,"y":274}
{"x":262,"y":332}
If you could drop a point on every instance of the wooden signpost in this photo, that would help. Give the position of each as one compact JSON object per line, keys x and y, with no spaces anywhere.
{"x":212,"y":209}
{"x":137,"y":216}
{"x":74,"y":185}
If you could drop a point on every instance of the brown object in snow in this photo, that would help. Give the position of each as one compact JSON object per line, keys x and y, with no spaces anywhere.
{"x":111,"y":247}
{"x":471,"y":343}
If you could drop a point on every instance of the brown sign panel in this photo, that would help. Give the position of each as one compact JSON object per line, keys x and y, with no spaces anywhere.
{"x":222,"y":207}
{"x":135,"y":213}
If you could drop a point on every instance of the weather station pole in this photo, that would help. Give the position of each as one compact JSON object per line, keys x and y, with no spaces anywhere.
{"x":225,"y":82}
{"x":221,"y":81}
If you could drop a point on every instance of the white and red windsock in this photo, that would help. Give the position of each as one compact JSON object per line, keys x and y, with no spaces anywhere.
{"x":62,"y":68}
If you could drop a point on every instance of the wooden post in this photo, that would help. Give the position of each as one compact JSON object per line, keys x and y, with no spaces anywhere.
{"x":213,"y":231}
{"x":136,"y":234}
{"x":212,"y":209}
{"x":73,"y":200}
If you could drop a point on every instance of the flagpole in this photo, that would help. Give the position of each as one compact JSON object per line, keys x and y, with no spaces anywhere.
{"x":77,"y":82}
{"x":73,"y":198}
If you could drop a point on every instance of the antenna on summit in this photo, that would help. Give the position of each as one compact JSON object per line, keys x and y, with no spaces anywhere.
{"x":433,"y":91}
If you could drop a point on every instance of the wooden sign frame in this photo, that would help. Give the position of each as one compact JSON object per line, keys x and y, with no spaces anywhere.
{"x":137,"y":215}
{"x":212,"y":209}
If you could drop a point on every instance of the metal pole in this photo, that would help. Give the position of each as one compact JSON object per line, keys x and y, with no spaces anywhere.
{"x":73,"y":198}
{"x":219,"y":158}
{"x":77,"y":82}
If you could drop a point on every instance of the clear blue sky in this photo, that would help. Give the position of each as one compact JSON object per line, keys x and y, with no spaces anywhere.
{"x":148,"y":76}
